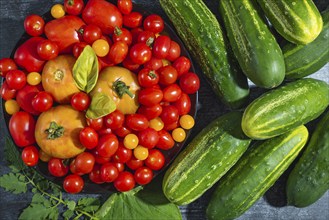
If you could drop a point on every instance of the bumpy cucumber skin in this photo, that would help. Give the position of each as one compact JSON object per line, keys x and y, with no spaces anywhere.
{"x":309,"y":179}
{"x":284,"y":108}
{"x":298,"y":21}
{"x":257,"y":170}
{"x":304,"y":60}
{"x":253,"y":44}
{"x":201,"y":33}
{"x":205,"y":159}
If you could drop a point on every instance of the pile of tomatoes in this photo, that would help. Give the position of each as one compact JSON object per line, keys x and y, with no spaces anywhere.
{"x":124,"y":148}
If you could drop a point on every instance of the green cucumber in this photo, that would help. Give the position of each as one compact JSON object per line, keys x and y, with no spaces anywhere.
{"x":257,"y":170}
{"x":253,"y":44}
{"x":298,"y":21}
{"x":309,"y":179}
{"x":198,"y":28}
{"x":205,"y":159}
{"x":284,"y":108}
{"x":304,"y":60}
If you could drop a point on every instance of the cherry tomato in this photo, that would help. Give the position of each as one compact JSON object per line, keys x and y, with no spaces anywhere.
{"x":155,"y":160}
{"x":42,"y":101}
{"x":143,"y":175}
{"x":11,"y":106}
{"x":109,"y":172}
{"x":78,"y":48}
{"x":95,"y":174}
{"x":122,"y":131}
{"x":169,"y":114}
{"x":101,"y":47}
{"x":161,"y":47}
{"x":140,"y":53}
{"x":47,"y":50}
{"x":80,"y":101}
{"x":141,"y":153}
{"x":136,"y":122}
{"x":186,"y":121}
{"x":168,"y":75}
{"x":154,"y":64}
{"x":57,"y":11}
{"x":122,"y":155}
{"x":88,"y":137}
{"x":104,"y":131}
{"x":148,"y":138}
{"x":130,"y":65}
{"x":156,"y":123}
{"x":146,"y":37}
{"x":150,"y":96}
{"x":114,"y":120}
{"x":21,"y":128}
{"x":174,"y":51}
{"x":84,"y":162}
{"x":171,"y":126}
{"x":6,"y":64}
{"x":99,"y":159}
{"x":107,"y":145}
{"x":118,"y":52}
{"x":135,"y":33}
{"x":25,"y":96}
{"x":34,"y":25}
{"x":57,"y":167}
{"x":130,"y":141}
{"x":166,"y":141}
{"x":73,"y":183}
{"x":150,"y":111}
{"x":124,"y":182}
{"x":16,"y":79}
{"x":43,"y":156}
{"x":30,"y":155}
{"x":73,"y":7}
{"x":134,"y":163}
{"x":96,"y":124}
{"x":178,"y":134}
{"x":125,"y":6}
{"x":6,"y":92}
{"x":132,"y":20}
{"x":153,"y":23}
{"x":189,"y":83}
{"x":33,"y":78}
{"x":147,"y":77}
{"x":183,"y":104}
{"x":123,"y":35}
{"x":119,"y":166}
{"x":172,"y":93}
{"x":182,"y":64}
{"x":91,"y":33}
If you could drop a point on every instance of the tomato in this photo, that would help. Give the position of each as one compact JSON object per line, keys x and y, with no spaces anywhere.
{"x":109,"y":172}
{"x":16,"y":79}
{"x":133,"y":19}
{"x":57,"y":11}
{"x":6,"y":64}
{"x":124,"y":182}
{"x":47,"y":50}
{"x":155,"y":160}
{"x":148,"y":138}
{"x":104,"y":131}
{"x":141,"y":153}
{"x":143,"y":175}
{"x":153,"y":23}
{"x":96,"y":124}
{"x":189,"y":83}
{"x":84,"y":163}
{"x":150,"y":111}
{"x":103,"y":14}
{"x":147,"y":77}
{"x":186,"y":121}
{"x":91,"y":32}
{"x":171,"y":126}
{"x":26,"y":55}
{"x":33,"y":78}
{"x":161,"y":47}
{"x":34,"y":25}
{"x":80,"y":101}
{"x":30,"y":155}
{"x":172,"y":93}
{"x":107,"y":145}
{"x":73,"y":183}
{"x":125,"y":6}
{"x":73,"y":7}
{"x":6,"y":92}
{"x":57,"y":131}
{"x":183,"y":104}
{"x":118,"y":52}
{"x":57,"y":167}
{"x":168,"y":75}
{"x":42,"y":101}
{"x":11,"y":106}
{"x":121,"y":85}
{"x":179,"y":134}
{"x":123,"y":154}
{"x":182,"y":64}
{"x":146,"y":37}
{"x":154,"y":64}
{"x":135,"y":33}
{"x":169,"y":114}
{"x":25,"y":96}
{"x":140,"y":53}
{"x":156,"y":123}
{"x":21,"y":128}
{"x":150,"y":96}
{"x":63,"y":31}
{"x":174,"y":51}
{"x":123,"y":35}
{"x":136,"y":122}
{"x":43,"y":156}
{"x":101,"y":47}
{"x":88,"y":137}
{"x":99,"y":159}
{"x":78,"y":48}
{"x":130,"y":141}
{"x":95,"y":175}
{"x":57,"y":78}
{"x":114,"y":120}
{"x":119,"y":166}
{"x":122,"y":131}
{"x":166,"y":141}
{"x":134,"y":163}
{"x":129,"y":64}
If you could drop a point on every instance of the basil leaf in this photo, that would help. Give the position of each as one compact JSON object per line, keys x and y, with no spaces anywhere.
{"x":85,"y":70}
{"x":101,"y":105}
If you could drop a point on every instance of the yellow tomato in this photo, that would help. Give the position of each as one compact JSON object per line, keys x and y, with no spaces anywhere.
{"x":33,"y":78}
{"x":121,"y":85}
{"x":57,"y":131}
{"x":43,"y":156}
{"x":156,"y":123}
{"x":57,"y":11}
{"x":101,"y":47}
{"x":178,"y":134}
{"x":11,"y":106}
{"x":130,"y":141}
{"x":141,"y":153}
{"x":186,"y":121}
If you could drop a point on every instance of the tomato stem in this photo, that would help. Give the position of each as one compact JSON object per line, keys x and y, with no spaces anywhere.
{"x":149,"y":41}
{"x":59,"y":75}
{"x":121,"y":88}
{"x":117,"y":31}
{"x":54,"y":131}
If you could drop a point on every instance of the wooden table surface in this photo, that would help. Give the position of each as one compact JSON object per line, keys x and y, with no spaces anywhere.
{"x":271,"y":206}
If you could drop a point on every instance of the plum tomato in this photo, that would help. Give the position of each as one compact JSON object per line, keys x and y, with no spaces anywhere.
{"x":122,"y":35}
{"x":80,"y":101}
{"x":122,"y":155}
{"x":96,"y":123}
{"x":16,"y":79}
{"x":182,"y":64}
{"x":125,"y":181}
{"x":143,"y":175}
{"x":107,"y":145}
{"x":150,"y":111}
{"x":57,"y":167}
{"x":73,"y":7}
{"x":147,"y":77}
{"x":42,"y":101}
{"x":91,"y":33}
{"x":148,"y":138}
{"x":140,"y":53}
{"x":21,"y":128}
{"x":189,"y":83}
{"x":183,"y":104}
{"x":171,"y":93}
{"x":6,"y":92}
{"x":73,"y":183}
{"x":7,"y":64}
{"x":166,"y":141}
{"x":134,"y":163}
{"x":47,"y":49}
{"x":136,"y":122}
{"x":153,"y":23}
{"x":30,"y":155}
{"x":155,"y":160}
{"x":84,"y":162}
{"x":118,"y":52}
{"x":114,"y":120}
{"x":150,"y":96}
{"x":109,"y":172}
{"x":125,"y":6}
{"x":133,"y":19}
{"x":34,"y":25}
{"x":88,"y":137}
{"x":161,"y":47}
{"x":168,"y":75}
{"x":169,"y":114}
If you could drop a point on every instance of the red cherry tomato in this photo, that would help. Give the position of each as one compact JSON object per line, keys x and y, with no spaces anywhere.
{"x":134,"y":163}
{"x":148,"y":138}
{"x":16,"y":79}
{"x":73,"y":183}
{"x":135,"y":33}
{"x":34,"y":25}
{"x":169,"y":114}
{"x":146,"y":37}
{"x":96,"y":123}
{"x":47,"y":50}
{"x":183,"y":104}
{"x":114,"y":120}
{"x":104,"y":131}
{"x":124,"y":182}
{"x":125,"y":6}
{"x":88,"y":137}
{"x":123,"y":35}
{"x":150,"y":96}
{"x":172,"y":93}
{"x":153,"y":23}
{"x":122,"y":131}
{"x":147,"y":77}
{"x":143,"y":175}
{"x":154,"y":64}
{"x":161,"y":47}
{"x":30,"y":155}
{"x":84,"y":163}
{"x":140,"y":53}
{"x":56,"y":167}
{"x":130,"y":65}
{"x":99,"y":159}
{"x":170,"y":126}
{"x":155,"y":160}
{"x":182,"y":64}
{"x":166,"y":141}
{"x":119,"y":166}
{"x":118,"y":52}
{"x":6,"y":92}
{"x":21,"y":128}
{"x":73,"y":7}
{"x":150,"y":111}
{"x":91,"y":32}
{"x":168,"y":75}
{"x":107,"y":145}
{"x":109,"y":172}
{"x":133,"y":19}
{"x":95,"y":175}
{"x":25,"y":96}
{"x":78,"y":48}
{"x":123,"y":154}
{"x":80,"y":101}
{"x":136,"y":122}
{"x":174,"y":51}
{"x":6,"y":64}
{"x":42,"y":101}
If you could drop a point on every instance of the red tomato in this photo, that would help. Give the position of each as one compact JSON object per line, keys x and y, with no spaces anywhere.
{"x":148,"y":138}
{"x":189,"y":83}
{"x":107,"y":145}
{"x":183,"y":104}
{"x":150,"y":111}
{"x":73,"y":183}
{"x":88,"y":137}
{"x":42,"y":101}
{"x":150,"y":96}
{"x":47,"y":50}
{"x":73,"y":7}
{"x":56,"y":167}
{"x":134,"y":163}
{"x":25,"y":96}
{"x":80,"y":101}
{"x":161,"y":47}
{"x":16,"y":79}
{"x":21,"y":128}
{"x":154,"y":64}
{"x":30,"y":155}
{"x":95,"y":175}
{"x":99,"y":159}
{"x":125,"y":6}
{"x":123,"y":35}
{"x":91,"y":32}
{"x":140,"y":53}
{"x":63,"y":31}
{"x":26,"y":55}
{"x":34,"y":25}
{"x":103,"y":14}
{"x":166,"y":141}
{"x":114,"y":120}
{"x":119,"y":166}
{"x":118,"y":52}
{"x":78,"y":48}
{"x":130,"y":65}
{"x":170,"y":126}
{"x":155,"y":160}
{"x":124,"y":182}
{"x":172,"y":93}
{"x":123,"y":154}
{"x":168,"y":75}
{"x":182,"y":64}
{"x":96,"y":124}
{"x":84,"y":163}
{"x":6,"y":64}
{"x":146,"y":37}
{"x":104,"y":131}
{"x":153,"y":23}
{"x":136,"y":122}
{"x":135,"y":33}
{"x":6,"y":92}
{"x":169,"y":114}
{"x":174,"y":51}
{"x":109,"y":172}
{"x":143,"y":175}
{"x":147,"y":77}
{"x":122,"y":131}
{"x":133,"y":20}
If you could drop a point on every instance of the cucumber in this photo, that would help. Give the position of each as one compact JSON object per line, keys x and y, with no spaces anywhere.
{"x":205,"y":159}
{"x":257,"y":170}
{"x":309,"y":179}
{"x":198,"y":28}
{"x":284,"y":108}
{"x":298,"y":21}
{"x":253,"y":44}
{"x":297,"y":57}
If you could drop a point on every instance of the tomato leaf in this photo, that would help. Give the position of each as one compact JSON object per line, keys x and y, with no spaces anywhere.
{"x":38,"y":211}
{"x":13,"y":182}
{"x":13,"y":157}
{"x":85,"y":70}
{"x":101,"y":105}
{"x":89,"y":204}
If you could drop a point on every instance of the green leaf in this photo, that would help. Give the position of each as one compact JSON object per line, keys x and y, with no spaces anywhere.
{"x":68,"y":214}
{"x":40,"y":199}
{"x":85,"y":70}
{"x":38,"y":211}
{"x":43,"y":184}
{"x":101,"y":105}
{"x":12,"y":182}
{"x":71,"y":205}
{"x":13,"y":156}
{"x":89,"y":204}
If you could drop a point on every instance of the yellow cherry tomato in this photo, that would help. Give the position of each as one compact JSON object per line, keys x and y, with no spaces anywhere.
{"x":130,"y":141}
{"x":57,"y":11}
{"x":101,"y":47}
{"x":156,"y":123}
{"x":178,"y":134}
{"x":43,"y":156}
{"x":11,"y":106}
{"x":186,"y":121}
{"x":33,"y":78}
{"x":141,"y":153}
